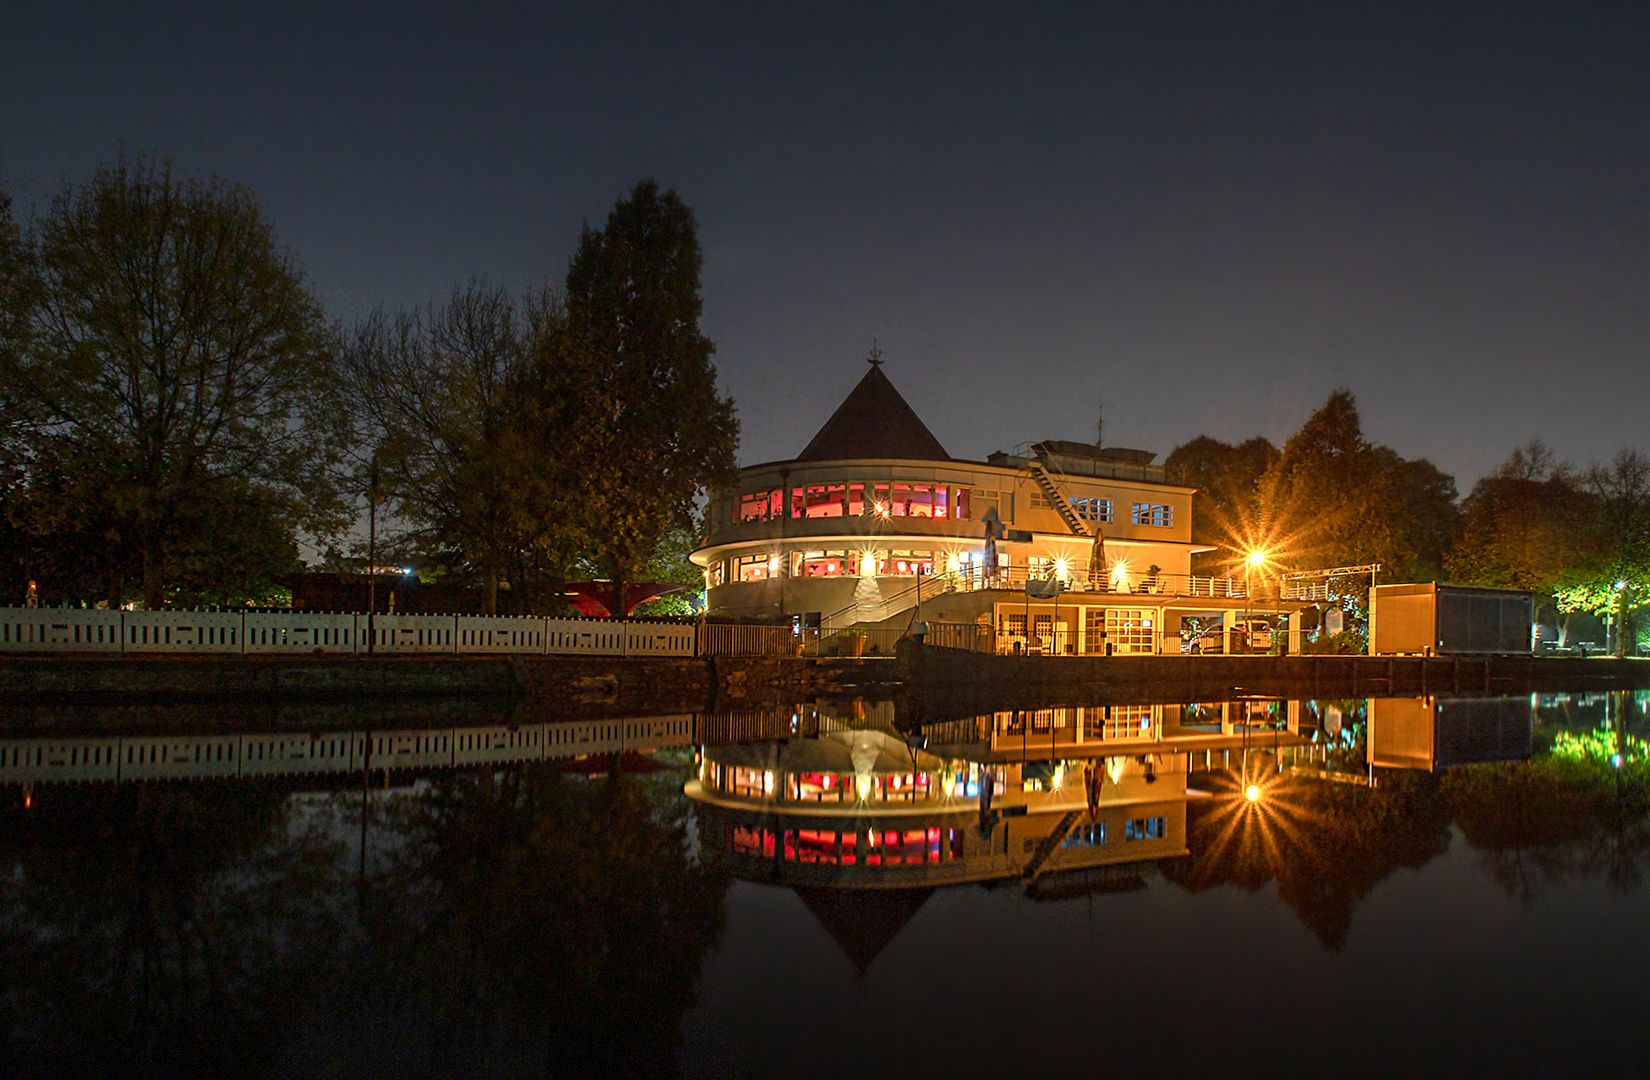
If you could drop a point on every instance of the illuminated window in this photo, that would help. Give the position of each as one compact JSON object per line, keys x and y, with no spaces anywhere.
{"x":755,"y":567}
{"x":1153,"y":514}
{"x":1129,"y":630}
{"x":963,"y":504}
{"x":1093,"y":509}
{"x":1111,"y":723}
{"x":1151,"y":828}
{"x":906,"y":563}
{"x":1090,"y":835}
{"x":820,"y":501}
{"x":824,"y":563}
{"x":759,"y":506}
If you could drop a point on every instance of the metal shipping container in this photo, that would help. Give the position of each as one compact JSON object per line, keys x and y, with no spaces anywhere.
{"x":1450,"y":620}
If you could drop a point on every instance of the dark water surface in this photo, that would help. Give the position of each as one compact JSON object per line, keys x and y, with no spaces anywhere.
{"x":1410,"y":887}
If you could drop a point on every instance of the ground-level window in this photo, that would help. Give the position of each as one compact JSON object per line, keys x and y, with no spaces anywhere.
{"x":838,"y":563}
{"x":755,"y":567}
{"x":910,"y":563}
{"x":1130,"y":630}
{"x":1110,"y":723}
{"x":1153,"y":514}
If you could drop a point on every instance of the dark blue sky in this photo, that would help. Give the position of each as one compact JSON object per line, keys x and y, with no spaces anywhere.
{"x":1208,"y":216}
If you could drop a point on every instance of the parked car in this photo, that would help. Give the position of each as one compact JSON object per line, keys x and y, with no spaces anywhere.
{"x":1248,"y":636}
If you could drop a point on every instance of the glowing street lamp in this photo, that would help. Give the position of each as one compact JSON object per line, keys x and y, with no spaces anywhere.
{"x":1255,"y":561}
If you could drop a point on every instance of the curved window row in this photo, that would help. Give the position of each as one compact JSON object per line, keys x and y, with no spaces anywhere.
{"x":842,"y":562}
{"x":919,"y":499}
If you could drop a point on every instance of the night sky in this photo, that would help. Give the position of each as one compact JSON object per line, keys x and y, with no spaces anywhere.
{"x":1205,"y":216}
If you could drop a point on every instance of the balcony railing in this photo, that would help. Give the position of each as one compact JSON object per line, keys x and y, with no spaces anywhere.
{"x":1076,"y":580}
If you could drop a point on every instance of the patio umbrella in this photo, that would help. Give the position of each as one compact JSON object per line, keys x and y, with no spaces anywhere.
{"x":1097,"y":559}
{"x":993,"y":525}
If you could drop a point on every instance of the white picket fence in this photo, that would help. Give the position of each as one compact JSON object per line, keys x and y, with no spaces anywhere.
{"x":177,"y":757}
{"x":86,"y":630}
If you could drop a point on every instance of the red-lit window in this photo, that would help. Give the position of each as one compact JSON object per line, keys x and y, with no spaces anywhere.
{"x":962,"y":503}
{"x":758,"y":506}
{"x":820,"y":501}
{"x":814,"y":846}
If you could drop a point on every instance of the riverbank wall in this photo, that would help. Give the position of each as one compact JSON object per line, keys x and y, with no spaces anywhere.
{"x":955,"y":682}
{"x":581,"y":685}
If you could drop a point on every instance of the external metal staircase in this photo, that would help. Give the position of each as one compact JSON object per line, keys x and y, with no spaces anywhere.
{"x":1051,"y":843}
{"x":1057,"y":499}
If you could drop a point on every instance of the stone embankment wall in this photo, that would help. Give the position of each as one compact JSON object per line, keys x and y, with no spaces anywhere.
{"x":927,"y":670}
{"x":585,"y":685}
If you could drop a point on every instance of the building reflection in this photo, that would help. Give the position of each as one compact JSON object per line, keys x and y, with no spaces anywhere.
{"x":838,"y":797}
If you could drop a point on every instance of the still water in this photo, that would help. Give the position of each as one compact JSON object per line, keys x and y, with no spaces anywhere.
{"x":1398,"y":886}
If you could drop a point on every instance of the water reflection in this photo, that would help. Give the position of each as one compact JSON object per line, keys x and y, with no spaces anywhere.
{"x":541,"y":899}
{"x":525,"y":920}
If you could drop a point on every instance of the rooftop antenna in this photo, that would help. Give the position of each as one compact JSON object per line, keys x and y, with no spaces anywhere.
{"x":1100,"y":425}
{"x":874,"y":357}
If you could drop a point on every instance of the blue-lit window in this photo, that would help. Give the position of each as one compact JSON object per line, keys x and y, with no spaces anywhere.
{"x":1093,"y":509}
{"x":1151,"y":828}
{"x":1153,"y":514}
{"x":1089,"y":835}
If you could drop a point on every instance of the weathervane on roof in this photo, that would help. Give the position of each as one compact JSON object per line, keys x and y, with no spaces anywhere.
{"x":874,"y":358}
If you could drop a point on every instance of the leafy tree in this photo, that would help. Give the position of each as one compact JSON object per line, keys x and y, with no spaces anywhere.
{"x":464,"y":416}
{"x":1334,"y":498}
{"x":660,"y":432}
{"x":1614,"y":575}
{"x":1523,"y":526}
{"x":173,"y":359}
{"x":1225,"y":477}
{"x":670,"y":563}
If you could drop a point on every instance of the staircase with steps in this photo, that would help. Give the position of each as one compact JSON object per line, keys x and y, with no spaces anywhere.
{"x":1051,"y":843}
{"x":1058,"y":500}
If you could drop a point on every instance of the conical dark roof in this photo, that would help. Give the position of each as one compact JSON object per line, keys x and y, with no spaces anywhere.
{"x":874,"y":422}
{"x":863,"y":921}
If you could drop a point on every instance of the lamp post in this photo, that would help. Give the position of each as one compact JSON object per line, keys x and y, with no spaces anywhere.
{"x":375,"y":496}
{"x":1255,"y":560}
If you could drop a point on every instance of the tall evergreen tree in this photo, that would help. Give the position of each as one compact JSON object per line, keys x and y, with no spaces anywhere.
{"x":660,"y":433}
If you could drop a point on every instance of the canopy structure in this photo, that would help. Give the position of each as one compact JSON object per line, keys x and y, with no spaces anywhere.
{"x":595,"y":598}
